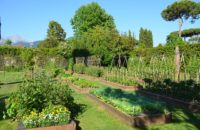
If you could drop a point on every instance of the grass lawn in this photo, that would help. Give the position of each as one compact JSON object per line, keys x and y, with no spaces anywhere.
{"x":8,"y":125}
{"x":182,"y":120}
{"x":11,"y":76}
{"x":96,"y":118}
{"x":5,"y":90}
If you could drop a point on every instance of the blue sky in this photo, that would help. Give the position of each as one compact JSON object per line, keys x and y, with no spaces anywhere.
{"x":28,"y":19}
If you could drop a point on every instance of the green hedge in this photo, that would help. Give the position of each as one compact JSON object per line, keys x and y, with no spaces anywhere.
{"x":25,"y":56}
{"x":94,"y":71}
{"x":89,"y":70}
{"x":168,"y":51}
{"x":79,"y":68}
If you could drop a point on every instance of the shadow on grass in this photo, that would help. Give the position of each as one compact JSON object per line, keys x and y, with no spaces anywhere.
{"x":181,"y":115}
{"x":2,"y":108}
{"x":187,"y":90}
{"x":76,"y":110}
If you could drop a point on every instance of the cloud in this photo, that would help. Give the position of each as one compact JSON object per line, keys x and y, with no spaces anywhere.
{"x":16,"y":38}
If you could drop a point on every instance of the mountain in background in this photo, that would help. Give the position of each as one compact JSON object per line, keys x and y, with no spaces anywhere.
{"x":26,"y":44}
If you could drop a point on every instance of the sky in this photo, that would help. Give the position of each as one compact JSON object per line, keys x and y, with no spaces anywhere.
{"x":28,"y":19}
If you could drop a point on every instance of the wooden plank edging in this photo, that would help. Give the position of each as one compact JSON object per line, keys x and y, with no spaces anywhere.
{"x":109,"y":83}
{"x":173,"y":101}
{"x":70,"y":126}
{"x":134,"y":121}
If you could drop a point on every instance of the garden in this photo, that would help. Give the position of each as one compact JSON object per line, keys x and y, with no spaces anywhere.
{"x":43,"y":96}
{"x":101,"y":79}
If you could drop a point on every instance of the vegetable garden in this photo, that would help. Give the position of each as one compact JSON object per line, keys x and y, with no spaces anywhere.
{"x":43,"y":91}
{"x":100,"y":79}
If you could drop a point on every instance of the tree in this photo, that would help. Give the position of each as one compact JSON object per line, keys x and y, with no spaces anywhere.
{"x":182,"y":10}
{"x":55,"y":31}
{"x":100,"y":41}
{"x":55,"y":36}
{"x":8,"y":42}
{"x":90,"y":15}
{"x":188,"y":32}
{"x":173,"y":40}
{"x":145,"y":38}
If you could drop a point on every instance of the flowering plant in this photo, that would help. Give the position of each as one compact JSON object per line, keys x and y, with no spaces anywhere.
{"x":51,"y":115}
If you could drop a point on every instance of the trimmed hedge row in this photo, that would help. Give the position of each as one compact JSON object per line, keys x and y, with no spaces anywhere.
{"x":168,"y":51}
{"x":16,"y":58}
{"x":15,"y":51}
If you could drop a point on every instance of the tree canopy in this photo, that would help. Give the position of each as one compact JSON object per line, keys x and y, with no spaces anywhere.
{"x":188,"y":32}
{"x":55,"y":31}
{"x":55,"y":35}
{"x":145,"y":38}
{"x":174,"y":40}
{"x":90,"y":15}
{"x":182,"y":10}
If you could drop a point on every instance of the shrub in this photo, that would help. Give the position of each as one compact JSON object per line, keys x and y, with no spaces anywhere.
{"x":94,"y":71}
{"x":79,"y":68}
{"x":51,"y":115}
{"x":37,"y":94}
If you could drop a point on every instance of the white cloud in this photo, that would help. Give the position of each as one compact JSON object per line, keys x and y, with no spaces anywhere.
{"x":16,"y":38}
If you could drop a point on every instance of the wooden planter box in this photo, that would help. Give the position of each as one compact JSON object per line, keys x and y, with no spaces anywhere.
{"x":175,"y":102}
{"x":134,"y":121}
{"x":109,"y":83}
{"x":70,"y":126}
{"x":146,"y":120}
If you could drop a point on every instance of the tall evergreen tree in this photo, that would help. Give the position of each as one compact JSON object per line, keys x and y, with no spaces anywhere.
{"x":182,"y":10}
{"x":145,"y":38}
{"x":55,"y":35}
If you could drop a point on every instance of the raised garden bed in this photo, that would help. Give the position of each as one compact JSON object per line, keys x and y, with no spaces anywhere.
{"x":82,"y":85}
{"x":176,"y":102}
{"x":109,"y":83}
{"x":133,"y":121}
{"x":70,"y":126}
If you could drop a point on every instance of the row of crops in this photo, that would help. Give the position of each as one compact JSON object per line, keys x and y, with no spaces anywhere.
{"x":157,"y":68}
{"x":157,"y":74}
{"x":131,"y":103}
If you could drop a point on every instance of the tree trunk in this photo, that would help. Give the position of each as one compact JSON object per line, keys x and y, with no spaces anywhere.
{"x":177,"y":63}
{"x":180,"y":23}
{"x":119,"y":61}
